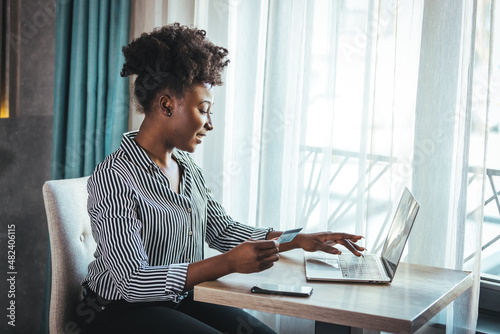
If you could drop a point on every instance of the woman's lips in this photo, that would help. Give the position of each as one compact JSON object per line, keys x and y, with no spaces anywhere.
{"x":199,"y":137}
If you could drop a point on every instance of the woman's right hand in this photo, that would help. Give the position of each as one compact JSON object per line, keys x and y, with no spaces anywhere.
{"x":248,"y":257}
{"x":253,"y":256}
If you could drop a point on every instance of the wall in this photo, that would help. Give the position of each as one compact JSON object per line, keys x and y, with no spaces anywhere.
{"x":25,"y":153}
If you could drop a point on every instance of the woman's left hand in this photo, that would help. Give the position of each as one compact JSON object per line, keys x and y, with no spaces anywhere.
{"x":324,"y":241}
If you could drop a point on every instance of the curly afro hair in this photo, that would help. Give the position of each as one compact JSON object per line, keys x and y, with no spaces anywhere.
{"x":173,"y":57}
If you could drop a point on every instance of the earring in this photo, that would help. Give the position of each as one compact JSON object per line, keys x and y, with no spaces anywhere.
{"x":169,"y":111}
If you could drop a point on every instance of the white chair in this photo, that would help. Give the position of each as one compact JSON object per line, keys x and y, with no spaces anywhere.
{"x":72,"y":247}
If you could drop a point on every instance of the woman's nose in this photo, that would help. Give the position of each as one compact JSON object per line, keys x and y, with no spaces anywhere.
{"x":208,"y":125}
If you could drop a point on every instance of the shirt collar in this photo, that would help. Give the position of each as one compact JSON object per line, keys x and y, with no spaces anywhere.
{"x":139,"y":156}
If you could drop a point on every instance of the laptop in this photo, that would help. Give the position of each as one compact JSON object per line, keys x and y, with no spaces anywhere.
{"x":372,"y":268}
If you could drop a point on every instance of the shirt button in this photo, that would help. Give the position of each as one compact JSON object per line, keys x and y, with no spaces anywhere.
{"x":190,"y":233}
{"x":188,"y":259}
{"x":189,"y":210}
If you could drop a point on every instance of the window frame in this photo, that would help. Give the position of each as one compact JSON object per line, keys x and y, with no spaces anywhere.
{"x":489,"y":294}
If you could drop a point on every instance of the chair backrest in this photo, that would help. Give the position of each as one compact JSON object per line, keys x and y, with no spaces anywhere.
{"x":71,"y":245}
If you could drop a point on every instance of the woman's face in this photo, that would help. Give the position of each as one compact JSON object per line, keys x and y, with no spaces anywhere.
{"x":192,"y":117}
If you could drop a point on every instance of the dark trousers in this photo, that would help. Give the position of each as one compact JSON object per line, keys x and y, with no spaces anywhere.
{"x":97,"y":315}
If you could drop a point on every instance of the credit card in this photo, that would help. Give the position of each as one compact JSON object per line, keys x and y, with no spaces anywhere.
{"x":288,"y":235}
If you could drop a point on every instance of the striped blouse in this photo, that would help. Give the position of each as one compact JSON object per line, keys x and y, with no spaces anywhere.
{"x":146,"y":233}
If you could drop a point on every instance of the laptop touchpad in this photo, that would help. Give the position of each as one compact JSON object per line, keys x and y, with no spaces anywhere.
{"x":328,"y":268}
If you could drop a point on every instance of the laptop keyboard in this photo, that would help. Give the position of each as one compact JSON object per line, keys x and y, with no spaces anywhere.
{"x":359,"y":267}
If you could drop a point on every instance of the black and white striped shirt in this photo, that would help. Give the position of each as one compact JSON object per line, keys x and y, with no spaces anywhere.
{"x":146,"y":233}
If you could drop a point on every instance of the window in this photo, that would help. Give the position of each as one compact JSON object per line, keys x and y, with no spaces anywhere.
{"x":488,"y":94}
{"x":356,"y":110}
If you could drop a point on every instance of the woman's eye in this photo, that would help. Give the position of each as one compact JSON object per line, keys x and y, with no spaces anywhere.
{"x":205,"y":112}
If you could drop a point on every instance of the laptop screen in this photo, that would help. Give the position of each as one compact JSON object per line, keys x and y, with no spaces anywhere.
{"x":399,"y":231}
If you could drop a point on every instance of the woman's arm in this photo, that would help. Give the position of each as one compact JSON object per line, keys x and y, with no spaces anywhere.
{"x":323,"y":241}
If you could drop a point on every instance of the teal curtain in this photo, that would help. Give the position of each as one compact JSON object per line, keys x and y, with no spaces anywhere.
{"x":91,"y":100}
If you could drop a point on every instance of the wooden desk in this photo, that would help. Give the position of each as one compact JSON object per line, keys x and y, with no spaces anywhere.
{"x":416,"y":294}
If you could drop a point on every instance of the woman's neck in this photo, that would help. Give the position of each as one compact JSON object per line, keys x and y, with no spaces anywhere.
{"x":152,"y":143}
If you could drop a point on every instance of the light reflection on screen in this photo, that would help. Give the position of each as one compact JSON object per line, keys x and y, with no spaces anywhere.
{"x":399,"y":231}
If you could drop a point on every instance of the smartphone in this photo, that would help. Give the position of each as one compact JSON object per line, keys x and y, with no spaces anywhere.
{"x":282,"y":289}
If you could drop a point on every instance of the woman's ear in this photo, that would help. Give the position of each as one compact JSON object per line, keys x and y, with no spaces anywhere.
{"x":165,"y":105}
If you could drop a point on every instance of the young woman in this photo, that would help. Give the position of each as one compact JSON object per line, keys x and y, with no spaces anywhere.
{"x":151,"y":210}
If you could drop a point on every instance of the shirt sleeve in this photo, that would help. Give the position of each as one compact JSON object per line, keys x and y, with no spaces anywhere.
{"x":116,"y":229}
{"x":223,"y":233}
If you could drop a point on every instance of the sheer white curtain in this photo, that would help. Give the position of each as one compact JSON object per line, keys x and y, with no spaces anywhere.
{"x":331,"y":108}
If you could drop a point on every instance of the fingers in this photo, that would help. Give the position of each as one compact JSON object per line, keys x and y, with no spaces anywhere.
{"x":267,"y":250}
{"x":337,"y":236}
{"x":266,"y":266}
{"x":267,"y":253}
{"x":352,"y":247}
{"x":345,"y":239}
{"x":327,"y":248}
{"x":266,"y":244}
{"x":252,"y":256}
{"x":268,"y":262}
